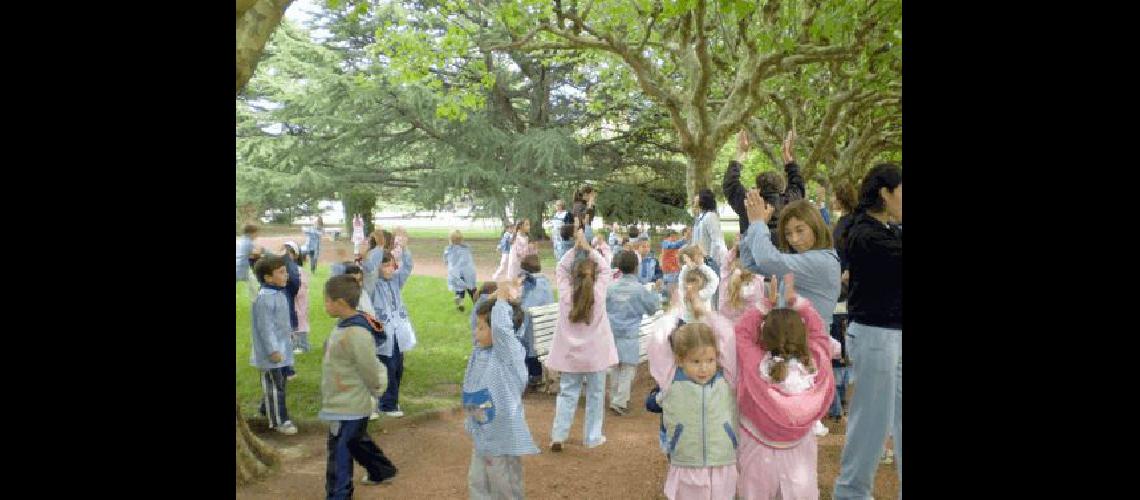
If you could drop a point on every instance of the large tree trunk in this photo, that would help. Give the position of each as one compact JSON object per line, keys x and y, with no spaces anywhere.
{"x":537,"y":232}
{"x":358,"y":202}
{"x":256,"y":20}
{"x":254,"y":458}
{"x":698,"y":175}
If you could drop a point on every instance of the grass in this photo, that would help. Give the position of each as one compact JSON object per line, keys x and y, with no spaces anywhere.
{"x":433,"y":370}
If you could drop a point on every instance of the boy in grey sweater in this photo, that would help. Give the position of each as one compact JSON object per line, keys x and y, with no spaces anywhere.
{"x":271,"y":349}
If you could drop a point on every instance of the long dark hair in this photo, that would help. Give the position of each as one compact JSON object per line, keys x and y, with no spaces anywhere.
{"x":584,"y":275}
{"x":883,"y":175}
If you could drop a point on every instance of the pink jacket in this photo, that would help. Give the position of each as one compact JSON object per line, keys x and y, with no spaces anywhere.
{"x":301,"y":303}
{"x":582,"y":347}
{"x":519,"y":249}
{"x":759,"y":294}
{"x":662,"y":362}
{"x":764,"y":407}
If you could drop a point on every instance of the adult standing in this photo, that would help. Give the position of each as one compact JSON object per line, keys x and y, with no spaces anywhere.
{"x":773,"y":187}
{"x":313,"y":243}
{"x":583,"y":347}
{"x":707,"y":233}
{"x":555,"y":224}
{"x":244,"y":249}
{"x":874,"y":305}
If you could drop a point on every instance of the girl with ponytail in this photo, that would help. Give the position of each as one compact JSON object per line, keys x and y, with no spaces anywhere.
{"x":741,"y":290}
{"x":583,"y":347}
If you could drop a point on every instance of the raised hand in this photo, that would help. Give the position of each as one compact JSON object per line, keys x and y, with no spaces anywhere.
{"x":758,"y":209}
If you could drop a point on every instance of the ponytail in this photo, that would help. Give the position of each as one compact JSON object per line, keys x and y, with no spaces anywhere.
{"x":582,"y":297}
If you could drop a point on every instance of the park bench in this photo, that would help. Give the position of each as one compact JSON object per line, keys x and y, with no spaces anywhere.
{"x":545,"y":321}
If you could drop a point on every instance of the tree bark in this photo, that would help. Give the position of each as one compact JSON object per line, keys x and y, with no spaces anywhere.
{"x":699,"y":174}
{"x":358,"y":202}
{"x":255,"y":458}
{"x":256,"y":20}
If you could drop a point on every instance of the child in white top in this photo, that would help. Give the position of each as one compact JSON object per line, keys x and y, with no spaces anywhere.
{"x":698,"y":284}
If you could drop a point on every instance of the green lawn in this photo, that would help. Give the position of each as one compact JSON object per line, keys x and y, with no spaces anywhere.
{"x":433,"y":370}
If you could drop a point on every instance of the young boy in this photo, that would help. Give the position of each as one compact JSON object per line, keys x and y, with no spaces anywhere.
{"x":388,"y":300}
{"x":626,"y":301}
{"x":649,"y":271}
{"x":670,"y":265}
{"x":271,"y":350}
{"x":351,"y":377}
{"x":492,"y":396}
{"x":536,"y":291}
{"x":460,"y":269}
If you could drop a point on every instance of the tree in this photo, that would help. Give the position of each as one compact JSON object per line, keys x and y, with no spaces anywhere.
{"x":707,"y":63}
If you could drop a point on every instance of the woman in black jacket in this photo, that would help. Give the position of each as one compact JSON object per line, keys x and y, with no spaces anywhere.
{"x":874,"y":333}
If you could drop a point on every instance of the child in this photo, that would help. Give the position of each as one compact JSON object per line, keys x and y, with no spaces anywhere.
{"x":535,"y":292}
{"x":391,"y":311}
{"x":485,"y":292}
{"x":397,"y":242}
{"x":351,"y":377}
{"x":301,"y":304}
{"x":649,"y":269}
{"x":698,"y":406}
{"x":357,"y":233}
{"x":741,"y":291}
{"x":271,"y":348}
{"x":583,"y":346}
{"x":460,"y":269}
{"x":313,"y":244}
{"x":626,"y":302}
{"x":492,"y":396}
{"x":520,"y":248}
{"x":698,"y":284}
{"x":614,"y":239}
{"x":670,"y":265}
{"x":244,"y":249}
{"x":780,"y":403}
{"x":364,"y":305}
{"x":504,"y":252}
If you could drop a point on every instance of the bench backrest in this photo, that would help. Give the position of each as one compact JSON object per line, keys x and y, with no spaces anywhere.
{"x":545,"y":320}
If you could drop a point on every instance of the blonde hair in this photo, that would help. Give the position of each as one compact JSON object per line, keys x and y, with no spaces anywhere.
{"x":695,"y":253}
{"x":456,"y":237}
{"x":690,"y":337}
{"x":739,"y":275}
{"x":694,"y":281}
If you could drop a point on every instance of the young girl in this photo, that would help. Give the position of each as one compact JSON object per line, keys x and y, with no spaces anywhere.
{"x":301,"y":306}
{"x":505,"y":252}
{"x":583,"y":345}
{"x":698,"y":284}
{"x":391,"y":310}
{"x":357,"y":233}
{"x":698,"y":404}
{"x":536,"y":291}
{"x":781,"y":394}
{"x":460,"y":269}
{"x":520,"y":248}
{"x":492,"y":396}
{"x":741,"y":291}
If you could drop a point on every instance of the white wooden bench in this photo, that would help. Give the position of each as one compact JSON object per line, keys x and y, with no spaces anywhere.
{"x":545,"y":321}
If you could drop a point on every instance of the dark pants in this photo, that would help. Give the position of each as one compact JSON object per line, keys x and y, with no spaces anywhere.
{"x":459,"y":295}
{"x":534,"y":369}
{"x":313,"y":259}
{"x":390,"y":401}
{"x":273,"y":392}
{"x":352,"y":442}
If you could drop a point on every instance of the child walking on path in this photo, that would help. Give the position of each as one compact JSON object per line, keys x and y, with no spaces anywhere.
{"x":504,"y":253}
{"x":271,"y":349}
{"x":460,"y":269}
{"x":627,"y":301}
{"x":698,"y":406}
{"x":781,"y":395}
{"x":388,"y":300}
{"x":583,"y":346}
{"x":492,"y":396}
{"x":351,"y":377}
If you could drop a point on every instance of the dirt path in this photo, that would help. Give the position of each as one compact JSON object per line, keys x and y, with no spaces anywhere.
{"x":433,"y":457}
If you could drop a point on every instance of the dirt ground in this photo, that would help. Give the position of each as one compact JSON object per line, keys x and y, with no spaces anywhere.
{"x":433,"y":455}
{"x":433,"y":452}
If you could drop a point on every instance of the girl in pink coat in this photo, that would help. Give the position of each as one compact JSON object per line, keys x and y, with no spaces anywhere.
{"x":782,"y":391}
{"x":583,"y":347}
{"x":740,"y":289}
{"x":520,"y":248}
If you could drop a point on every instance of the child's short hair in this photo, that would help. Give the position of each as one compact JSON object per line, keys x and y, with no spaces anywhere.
{"x":343,"y":287}
{"x":770,"y":182}
{"x":633,"y":232}
{"x":456,"y":237}
{"x":387,"y":257}
{"x":483,"y":312}
{"x":669,"y":233}
{"x":351,"y":268}
{"x":265,"y":266}
{"x":531,"y":264}
{"x":249,"y":229}
{"x":626,"y":262}
{"x":488,"y":288}
{"x":783,"y":334}
{"x":691,"y":336}
{"x":567,"y":232}
{"x":695,"y":253}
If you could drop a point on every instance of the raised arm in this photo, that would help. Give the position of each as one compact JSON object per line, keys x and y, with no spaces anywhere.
{"x":406,"y":266}
{"x":505,"y":346}
{"x":712,"y":281}
{"x":562,"y":273}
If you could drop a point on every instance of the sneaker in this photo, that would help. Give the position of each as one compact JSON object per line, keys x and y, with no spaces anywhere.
{"x":397,"y":413}
{"x":297,"y":350}
{"x":888,"y":457}
{"x":599,"y":443}
{"x":368,"y":481}
{"x":556,"y":446}
{"x":291,"y":377}
{"x":619,"y":411}
{"x":819,"y":429}
{"x":375,"y":415}
{"x":287,"y":428}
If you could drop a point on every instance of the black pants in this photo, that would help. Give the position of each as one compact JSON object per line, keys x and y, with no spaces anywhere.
{"x":352,"y":442}
{"x":459,"y":295}
{"x":390,"y":400}
{"x":273,"y":383}
{"x":533,"y":367}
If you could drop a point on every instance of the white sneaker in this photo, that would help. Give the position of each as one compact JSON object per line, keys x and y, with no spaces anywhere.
{"x":375,"y":415}
{"x":398,"y":413}
{"x":287,"y":428}
{"x":599,"y":443}
{"x":297,"y":350}
{"x":819,"y":429}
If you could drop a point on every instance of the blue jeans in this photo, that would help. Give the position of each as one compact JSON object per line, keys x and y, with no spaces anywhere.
{"x":390,"y":400}
{"x":876,"y":408}
{"x":840,"y":390}
{"x":567,"y":404}
{"x":349,"y":440}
